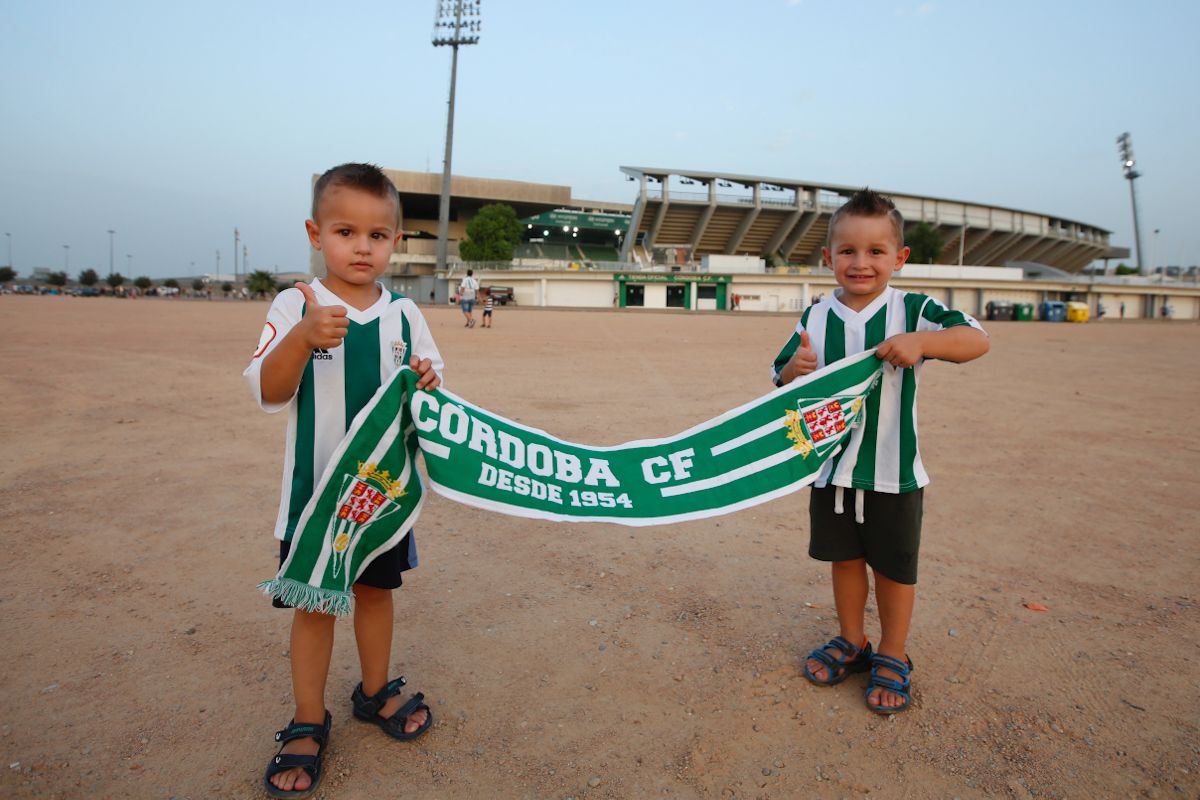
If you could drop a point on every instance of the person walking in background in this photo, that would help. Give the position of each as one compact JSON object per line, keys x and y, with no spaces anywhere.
{"x":468,"y":287}
{"x":489,"y":303}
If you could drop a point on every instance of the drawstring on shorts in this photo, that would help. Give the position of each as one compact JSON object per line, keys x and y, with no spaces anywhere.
{"x":838,"y":507}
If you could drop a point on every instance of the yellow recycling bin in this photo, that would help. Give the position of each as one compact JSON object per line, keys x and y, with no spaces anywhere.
{"x":1077,"y":312}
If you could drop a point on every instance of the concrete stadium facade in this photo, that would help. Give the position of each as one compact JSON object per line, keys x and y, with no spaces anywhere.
{"x":681,"y":215}
{"x":644,"y":278}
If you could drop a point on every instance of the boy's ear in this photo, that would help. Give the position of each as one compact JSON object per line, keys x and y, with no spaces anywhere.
{"x":314,"y":233}
{"x":825,"y":257}
{"x":902,"y":257}
{"x":398,"y":237}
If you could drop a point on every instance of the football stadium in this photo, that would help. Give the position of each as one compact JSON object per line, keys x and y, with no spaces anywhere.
{"x":714,"y":241}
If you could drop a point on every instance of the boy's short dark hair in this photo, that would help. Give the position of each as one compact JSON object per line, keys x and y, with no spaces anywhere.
{"x":868,"y":203}
{"x":364,"y":177}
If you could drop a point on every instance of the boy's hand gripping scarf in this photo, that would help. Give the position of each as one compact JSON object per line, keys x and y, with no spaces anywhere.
{"x":371,"y":493}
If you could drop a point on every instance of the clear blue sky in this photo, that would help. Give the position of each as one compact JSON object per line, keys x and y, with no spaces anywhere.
{"x":174,"y":123}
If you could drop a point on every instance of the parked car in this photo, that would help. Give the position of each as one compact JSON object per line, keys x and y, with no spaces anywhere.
{"x":502,"y":294}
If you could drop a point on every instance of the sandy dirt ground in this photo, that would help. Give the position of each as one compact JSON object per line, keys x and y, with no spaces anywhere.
{"x":139,"y":484}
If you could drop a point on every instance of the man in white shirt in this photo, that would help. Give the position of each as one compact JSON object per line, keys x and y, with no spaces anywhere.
{"x":467,"y":289}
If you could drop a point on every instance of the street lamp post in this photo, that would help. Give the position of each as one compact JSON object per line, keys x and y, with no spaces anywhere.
{"x":9,"y":237}
{"x":110,"y":251}
{"x":66,"y":258}
{"x":1128,"y":163}
{"x":449,"y":29}
{"x":235,"y":260}
{"x":129,"y":264}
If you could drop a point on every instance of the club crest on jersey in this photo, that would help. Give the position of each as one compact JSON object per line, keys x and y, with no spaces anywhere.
{"x":366,"y":498}
{"x":399,"y":351}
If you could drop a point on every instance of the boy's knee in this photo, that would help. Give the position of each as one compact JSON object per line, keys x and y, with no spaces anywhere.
{"x":371,"y":594}
{"x":849,"y":565}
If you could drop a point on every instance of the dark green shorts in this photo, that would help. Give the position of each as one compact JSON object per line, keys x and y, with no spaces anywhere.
{"x":888,"y":537}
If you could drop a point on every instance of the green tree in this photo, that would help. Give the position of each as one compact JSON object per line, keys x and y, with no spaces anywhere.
{"x":197,"y":285}
{"x":142,"y":282}
{"x":1125,"y":269}
{"x":226,"y":287}
{"x":261,"y":281}
{"x":925,"y":242}
{"x":88,"y":278}
{"x":7,"y":274}
{"x":115,"y":279}
{"x":171,"y":283}
{"x":491,"y":234}
{"x":57,"y":279}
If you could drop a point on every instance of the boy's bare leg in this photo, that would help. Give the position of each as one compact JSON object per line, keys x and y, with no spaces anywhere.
{"x":373,"y":621}
{"x":896,"y":602}
{"x":850,"y":598}
{"x":312,"y":648}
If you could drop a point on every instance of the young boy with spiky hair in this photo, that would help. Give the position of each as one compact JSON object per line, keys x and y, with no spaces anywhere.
{"x":880,"y":463}
{"x":325,"y":349}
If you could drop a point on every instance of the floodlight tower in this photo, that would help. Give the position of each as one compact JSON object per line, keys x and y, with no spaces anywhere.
{"x":450,"y":29}
{"x":1125,"y":147}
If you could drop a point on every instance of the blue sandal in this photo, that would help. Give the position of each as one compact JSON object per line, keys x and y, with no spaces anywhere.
{"x":853,"y":660}
{"x":367,"y":709}
{"x":282,"y":761}
{"x":900,"y":687}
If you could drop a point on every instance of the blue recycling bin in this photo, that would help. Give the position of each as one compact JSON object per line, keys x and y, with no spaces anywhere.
{"x":1053,"y":311}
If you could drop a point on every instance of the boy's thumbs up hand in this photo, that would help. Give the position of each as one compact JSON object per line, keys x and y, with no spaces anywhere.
{"x":323,"y":326}
{"x":803,"y":361}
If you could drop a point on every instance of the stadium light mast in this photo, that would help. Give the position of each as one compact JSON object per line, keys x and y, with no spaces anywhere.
{"x":110,"y":250}
{"x":450,"y":29}
{"x":1125,"y":147}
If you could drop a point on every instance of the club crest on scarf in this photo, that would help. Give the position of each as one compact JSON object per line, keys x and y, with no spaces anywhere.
{"x":810,"y":426}
{"x":366,"y":498}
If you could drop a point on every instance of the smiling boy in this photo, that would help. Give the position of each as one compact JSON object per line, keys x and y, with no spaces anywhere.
{"x":881,"y":463}
{"x":324,"y":351}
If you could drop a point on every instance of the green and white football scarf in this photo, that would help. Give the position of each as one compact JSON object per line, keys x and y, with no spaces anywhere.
{"x":371,"y":492}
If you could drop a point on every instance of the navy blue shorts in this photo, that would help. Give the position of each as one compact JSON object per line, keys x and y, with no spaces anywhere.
{"x":382,"y":573}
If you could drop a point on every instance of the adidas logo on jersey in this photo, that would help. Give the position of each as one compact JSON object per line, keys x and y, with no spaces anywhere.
{"x":321,"y":354}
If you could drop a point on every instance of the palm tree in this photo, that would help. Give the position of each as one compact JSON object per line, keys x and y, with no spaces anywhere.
{"x":261,"y":281}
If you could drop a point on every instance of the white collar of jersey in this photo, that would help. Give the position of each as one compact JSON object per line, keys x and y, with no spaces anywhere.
{"x":848,"y":314}
{"x":355,"y":316}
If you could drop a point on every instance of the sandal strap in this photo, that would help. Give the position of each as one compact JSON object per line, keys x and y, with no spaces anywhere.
{"x":303,"y":730}
{"x":286,"y":761}
{"x":375,"y":702}
{"x":825,"y":653}
{"x":396,"y":722}
{"x":415,"y":703}
{"x":880,"y":682}
{"x":843,"y":644}
{"x":901,"y":668}
{"x":822,"y":655}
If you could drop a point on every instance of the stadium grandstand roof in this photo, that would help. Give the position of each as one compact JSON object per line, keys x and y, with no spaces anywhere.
{"x":701,"y":213}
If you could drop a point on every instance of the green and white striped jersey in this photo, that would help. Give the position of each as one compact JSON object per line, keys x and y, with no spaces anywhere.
{"x":336,"y":383}
{"x":882,"y":454}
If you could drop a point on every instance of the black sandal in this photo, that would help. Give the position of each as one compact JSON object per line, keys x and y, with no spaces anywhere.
{"x":840,"y":659}
{"x":282,"y":761}
{"x":367,"y":709}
